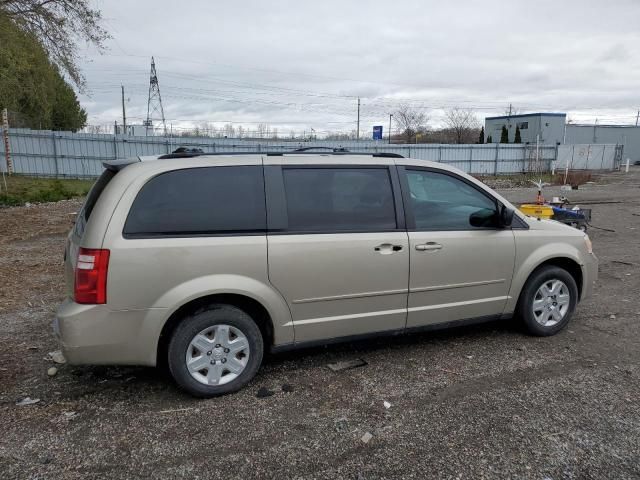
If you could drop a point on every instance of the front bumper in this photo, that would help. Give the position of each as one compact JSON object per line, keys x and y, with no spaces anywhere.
{"x":589,"y":275}
{"x":95,"y":335}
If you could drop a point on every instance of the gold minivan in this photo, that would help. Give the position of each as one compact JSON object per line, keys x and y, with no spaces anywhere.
{"x":204,"y":261}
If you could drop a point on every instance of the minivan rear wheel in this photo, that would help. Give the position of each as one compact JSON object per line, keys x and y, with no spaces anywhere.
{"x":548,"y":300}
{"x":215,"y":351}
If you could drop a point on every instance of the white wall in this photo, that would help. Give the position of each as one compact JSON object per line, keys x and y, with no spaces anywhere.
{"x":629,"y":136}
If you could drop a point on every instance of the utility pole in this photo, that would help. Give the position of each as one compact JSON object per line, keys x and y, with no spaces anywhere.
{"x":358,"y":126}
{"x":124,"y":113}
{"x":637,"y":117}
{"x":7,"y":147}
{"x":390,"y":115}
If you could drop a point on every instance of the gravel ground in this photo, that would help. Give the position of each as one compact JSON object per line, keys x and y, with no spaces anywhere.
{"x":477,"y":402}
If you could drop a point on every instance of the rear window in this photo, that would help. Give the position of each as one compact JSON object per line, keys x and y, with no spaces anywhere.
{"x":200,"y":201}
{"x":92,"y":199}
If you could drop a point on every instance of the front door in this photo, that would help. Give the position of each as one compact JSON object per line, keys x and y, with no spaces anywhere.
{"x":340,"y":257}
{"x":461,"y":261}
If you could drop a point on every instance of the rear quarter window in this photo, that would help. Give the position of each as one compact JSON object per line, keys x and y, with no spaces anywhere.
{"x":92,"y":199}
{"x":199,"y":201}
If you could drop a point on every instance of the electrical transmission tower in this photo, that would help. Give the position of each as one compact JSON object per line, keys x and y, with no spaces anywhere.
{"x":154,"y":104}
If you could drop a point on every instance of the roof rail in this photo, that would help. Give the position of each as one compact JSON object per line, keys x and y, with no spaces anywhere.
{"x":279,"y":154}
{"x":308,"y":149}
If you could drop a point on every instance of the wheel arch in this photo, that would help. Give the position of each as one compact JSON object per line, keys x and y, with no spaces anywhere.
{"x":249,"y":305}
{"x":568,"y":264}
{"x":562,"y":259}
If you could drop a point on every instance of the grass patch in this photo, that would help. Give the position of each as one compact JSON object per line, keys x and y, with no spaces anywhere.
{"x":574,"y":178}
{"x":517,"y":180}
{"x":22,"y":189}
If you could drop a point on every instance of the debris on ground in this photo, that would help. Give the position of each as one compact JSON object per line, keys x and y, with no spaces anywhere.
{"x":52,"y":371}
{"x":341,"y":424}
{"x":69,"y":415}
{"x":366,"y":438}
{"x":386,"y":404}
{"x":57,"y":357}
{"x":27,"y":401}
{"x":346,"y":365}
{"x":621,"y":262}
{"x":612,"y":316}
{"x":264,"y":392}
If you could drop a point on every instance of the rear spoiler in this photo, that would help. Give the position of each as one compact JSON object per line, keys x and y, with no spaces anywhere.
{"x":117,"y":165}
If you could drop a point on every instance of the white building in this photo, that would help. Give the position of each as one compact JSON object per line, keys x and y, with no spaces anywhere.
{"x":548,"y":126}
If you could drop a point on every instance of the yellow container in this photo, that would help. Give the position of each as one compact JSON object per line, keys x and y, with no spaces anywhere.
{"x":539,"y":211}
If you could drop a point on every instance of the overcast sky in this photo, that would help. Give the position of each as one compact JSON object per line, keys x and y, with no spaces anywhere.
{"x":296,"y":64}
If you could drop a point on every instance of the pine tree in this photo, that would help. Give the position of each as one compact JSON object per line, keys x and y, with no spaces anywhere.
{"x":518,"y":139}
{"x":489,"y":139}
{"x":481,"y":136}
{"x":504,"y":136}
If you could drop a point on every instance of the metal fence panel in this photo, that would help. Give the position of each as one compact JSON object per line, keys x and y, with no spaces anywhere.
{"x":80,"y":155}
{"x":589,"y":157}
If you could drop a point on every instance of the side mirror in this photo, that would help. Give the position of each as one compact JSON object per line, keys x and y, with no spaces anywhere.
{"x":506,"y":216}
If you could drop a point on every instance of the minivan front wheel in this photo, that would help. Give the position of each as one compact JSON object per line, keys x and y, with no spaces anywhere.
{"x":548,"y":300}
{"x":215,"y":351}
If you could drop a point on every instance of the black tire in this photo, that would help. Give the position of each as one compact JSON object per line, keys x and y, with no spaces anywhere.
{"x":192,"y":325}
{"x":528,"y":294}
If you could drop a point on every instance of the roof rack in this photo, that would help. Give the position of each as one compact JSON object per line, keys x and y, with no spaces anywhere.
{"x":334,"y":150}
{"x":302,"y":151}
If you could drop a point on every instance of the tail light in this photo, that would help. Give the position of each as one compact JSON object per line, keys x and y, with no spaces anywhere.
{"x":91,"y":276}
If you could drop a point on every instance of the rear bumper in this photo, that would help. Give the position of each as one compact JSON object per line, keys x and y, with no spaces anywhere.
{"x":95,"y":335}
{"x":589,"y":276}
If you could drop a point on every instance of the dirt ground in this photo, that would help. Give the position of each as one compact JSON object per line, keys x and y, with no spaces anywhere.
{"x":477,"y":402}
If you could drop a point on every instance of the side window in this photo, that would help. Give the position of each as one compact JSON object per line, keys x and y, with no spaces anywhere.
{"x":443,"y":202}
{"x":192,"y":201}
{"x":339,"y":199}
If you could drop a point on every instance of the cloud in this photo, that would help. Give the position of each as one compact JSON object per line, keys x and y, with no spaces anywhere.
{"x":300,"y":65}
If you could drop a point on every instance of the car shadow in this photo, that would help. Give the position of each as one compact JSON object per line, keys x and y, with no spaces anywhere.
{"x":150,"y":382}
{"x":337,"y":350}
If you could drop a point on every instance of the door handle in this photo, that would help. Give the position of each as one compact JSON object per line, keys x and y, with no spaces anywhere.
{"x":429,"y":246}
{"x":387,"y":248}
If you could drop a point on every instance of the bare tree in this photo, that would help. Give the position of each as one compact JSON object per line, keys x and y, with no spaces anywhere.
{"x":263,"y":130}
{"x":463,"y":124}
{"x":229,"y":131}
{"x":58,"y":25}
{"x":411,"y":122}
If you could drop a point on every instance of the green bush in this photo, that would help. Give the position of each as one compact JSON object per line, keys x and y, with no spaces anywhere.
{"x":22,"y":189}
